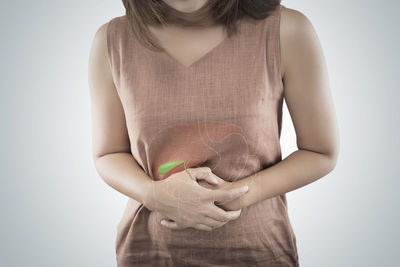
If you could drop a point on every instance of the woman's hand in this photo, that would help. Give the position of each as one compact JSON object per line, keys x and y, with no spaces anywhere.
{"x":221,"y":183}
{"x":188,"y":204}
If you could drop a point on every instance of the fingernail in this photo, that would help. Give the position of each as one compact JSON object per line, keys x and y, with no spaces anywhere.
{"x":215,"y":180}
{"x":163,"y":222}
{"x":237,"y":214}
{"x":245,"y":188}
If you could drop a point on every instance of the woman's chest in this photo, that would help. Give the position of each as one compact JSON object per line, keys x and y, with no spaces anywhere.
{"x":226,"y":87}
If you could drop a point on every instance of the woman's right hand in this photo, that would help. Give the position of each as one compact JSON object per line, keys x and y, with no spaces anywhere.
{"x":183,"y":200}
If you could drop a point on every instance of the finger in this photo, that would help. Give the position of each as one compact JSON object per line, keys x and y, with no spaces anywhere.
{"x":205,"y":174}
{"x":203,"y":227}
{"x":222,"y":215}
{"x":171,"y":224}
{"x":226,"y":195}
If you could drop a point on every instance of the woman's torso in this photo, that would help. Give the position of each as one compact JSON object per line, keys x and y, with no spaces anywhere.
{"x":223,"y":111}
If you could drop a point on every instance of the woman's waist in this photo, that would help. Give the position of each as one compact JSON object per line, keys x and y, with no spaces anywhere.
{"x":265,"y":218}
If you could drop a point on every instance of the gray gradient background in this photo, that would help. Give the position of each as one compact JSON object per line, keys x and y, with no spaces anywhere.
{"x":57,"y":211}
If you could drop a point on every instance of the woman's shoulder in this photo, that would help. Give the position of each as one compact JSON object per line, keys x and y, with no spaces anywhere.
{"x":294,"y":22}
{"x":297,"y":36}
{"x":101,"y":31}
{"x":117,"y":24}
{"x":118,"y":19}
{"x":107,"y":35}
{"x":288,"y":16}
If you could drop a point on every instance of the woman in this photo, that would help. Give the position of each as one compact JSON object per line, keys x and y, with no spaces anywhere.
{"x":203,"y":82}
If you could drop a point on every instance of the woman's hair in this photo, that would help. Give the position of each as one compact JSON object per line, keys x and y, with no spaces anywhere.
{"x":155,"y":12}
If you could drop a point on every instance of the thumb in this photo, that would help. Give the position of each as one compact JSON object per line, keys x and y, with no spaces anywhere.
{"x":205,"y":173}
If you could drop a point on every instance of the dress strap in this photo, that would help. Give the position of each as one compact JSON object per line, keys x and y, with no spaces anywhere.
{"x":273,"y":50}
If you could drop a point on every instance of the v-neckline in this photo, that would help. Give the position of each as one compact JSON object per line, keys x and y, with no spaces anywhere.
{"x":206,"y":55}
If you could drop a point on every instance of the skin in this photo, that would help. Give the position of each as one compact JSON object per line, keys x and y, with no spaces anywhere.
{"x":184,"y":43}
{"x":308,"y":98}
{"x":186,"y":5}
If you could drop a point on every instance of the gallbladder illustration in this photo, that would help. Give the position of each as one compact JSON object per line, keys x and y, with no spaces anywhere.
{"x":166,"y":167}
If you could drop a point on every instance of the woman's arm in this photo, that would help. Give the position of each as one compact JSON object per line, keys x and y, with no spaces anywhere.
{"x":309,"y":101}
{"x":111,"y":147}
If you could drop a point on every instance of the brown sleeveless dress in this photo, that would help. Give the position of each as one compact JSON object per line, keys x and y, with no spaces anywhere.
{"x":224,"y":111}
